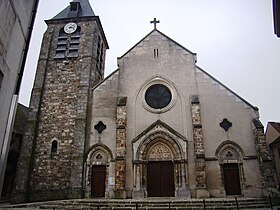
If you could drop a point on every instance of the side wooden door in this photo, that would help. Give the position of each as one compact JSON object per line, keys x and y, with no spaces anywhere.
{"x":231,"y":179}
{"x":98,"y":181}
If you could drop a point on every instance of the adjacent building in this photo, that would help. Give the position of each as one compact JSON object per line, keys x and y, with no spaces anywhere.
{"x":14,"y":151}
{"x":273,"y":138}
{"x":158,"y":126}
{"x":276,"y":17}
{"x":17,"y":18}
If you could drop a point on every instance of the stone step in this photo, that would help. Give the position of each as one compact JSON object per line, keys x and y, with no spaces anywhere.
{"x":150,"y":204}
{"x":166,"y":204}
{"x":155,"y":207}
{"x":158,"y":205}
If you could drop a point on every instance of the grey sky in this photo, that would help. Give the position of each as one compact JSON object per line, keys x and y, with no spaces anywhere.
{"x":233,"y":39}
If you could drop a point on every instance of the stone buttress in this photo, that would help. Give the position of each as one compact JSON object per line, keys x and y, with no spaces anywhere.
{"x":264,"y":157}
{"x":120,"y":165}
{"x":199,"y":154}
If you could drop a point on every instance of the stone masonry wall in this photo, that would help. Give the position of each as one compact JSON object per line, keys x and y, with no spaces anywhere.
{"x":59,"y":112}
{"x":264,"y":156}
{"x":26,"y":155}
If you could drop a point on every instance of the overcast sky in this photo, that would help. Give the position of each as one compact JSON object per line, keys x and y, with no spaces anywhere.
{"x":233,"y":39}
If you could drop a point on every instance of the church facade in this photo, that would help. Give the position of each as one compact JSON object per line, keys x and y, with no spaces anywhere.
{"x":158,"y":126}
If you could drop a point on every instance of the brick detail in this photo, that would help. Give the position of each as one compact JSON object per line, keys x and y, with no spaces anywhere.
{"x":198,"y":144}
{"x":200,"y":173}
{"x":120,"y":166}
{"x":120,"y":174}
{"x":264,"y":158}
{"x":120,"y":142}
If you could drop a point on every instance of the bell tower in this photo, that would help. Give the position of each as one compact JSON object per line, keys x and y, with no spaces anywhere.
{"x":71,"y":62}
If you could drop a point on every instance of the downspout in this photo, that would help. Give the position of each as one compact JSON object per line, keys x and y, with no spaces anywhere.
{"x":26,"y":48}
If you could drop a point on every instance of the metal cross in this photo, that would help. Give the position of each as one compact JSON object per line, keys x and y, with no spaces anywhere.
{"x":155,"y":21}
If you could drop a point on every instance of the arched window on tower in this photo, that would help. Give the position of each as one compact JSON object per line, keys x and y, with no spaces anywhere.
{"x":54,"y":147}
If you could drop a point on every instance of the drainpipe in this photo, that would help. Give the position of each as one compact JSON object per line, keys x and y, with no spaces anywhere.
{"x":26,"y":48}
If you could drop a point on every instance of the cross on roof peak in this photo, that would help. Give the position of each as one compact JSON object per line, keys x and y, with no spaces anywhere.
{"x":155,"y":21}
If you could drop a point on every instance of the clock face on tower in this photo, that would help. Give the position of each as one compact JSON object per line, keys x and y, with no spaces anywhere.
{"x":70,"y":28}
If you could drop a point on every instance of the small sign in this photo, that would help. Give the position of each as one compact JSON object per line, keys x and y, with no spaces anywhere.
{"x":112,"y":181}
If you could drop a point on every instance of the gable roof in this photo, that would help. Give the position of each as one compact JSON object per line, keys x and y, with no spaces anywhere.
{"x":84,"y":11}
{"x":197,"y":67}
{"x":228,"y":89}
{"x":168,"y":38}
{"x":275,"y":142}
{"x":272,"y":133}
{"x":106,"y":78}
{"x":275,"y":125}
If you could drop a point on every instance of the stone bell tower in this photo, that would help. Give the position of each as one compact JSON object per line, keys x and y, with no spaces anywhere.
{"x":71,"y":62}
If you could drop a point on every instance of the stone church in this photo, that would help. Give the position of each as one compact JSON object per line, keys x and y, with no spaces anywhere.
{"x":158,"y":126}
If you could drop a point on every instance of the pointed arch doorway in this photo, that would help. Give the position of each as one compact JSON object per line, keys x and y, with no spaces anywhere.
{"x":230,"y":157}
{"x":160,"y":171}
{"x":160,"y":165}
{"x":97,"y":173}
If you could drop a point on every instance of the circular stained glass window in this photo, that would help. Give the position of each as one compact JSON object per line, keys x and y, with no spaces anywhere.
{"x":158,"y":96}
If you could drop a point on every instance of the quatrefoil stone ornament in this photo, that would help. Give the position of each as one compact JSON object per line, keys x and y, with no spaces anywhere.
{"x":100,"y":127}
{"x":225,"y":124}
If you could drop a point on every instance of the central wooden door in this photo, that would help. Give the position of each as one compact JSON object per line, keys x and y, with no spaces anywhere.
{"x":160,"y":179}
{"x":98,"y":181}
{"x":231,"y":178}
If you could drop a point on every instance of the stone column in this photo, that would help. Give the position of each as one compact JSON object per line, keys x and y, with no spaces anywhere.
{"x":138,"y":177}
{"x":199,"y":154}
{"x":264,"y":156}
{"x":181,"y":187}
{"x":120,"y":166}
{"x":138,"y":190}
{"x":183,"y":174}
{"x":177,"y":176}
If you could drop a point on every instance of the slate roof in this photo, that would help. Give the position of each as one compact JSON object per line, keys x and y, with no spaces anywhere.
{"x":275,"y":125}
{"x":162,"y":35}
{"x":275,"y":142}
{"x":85,"y":11}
